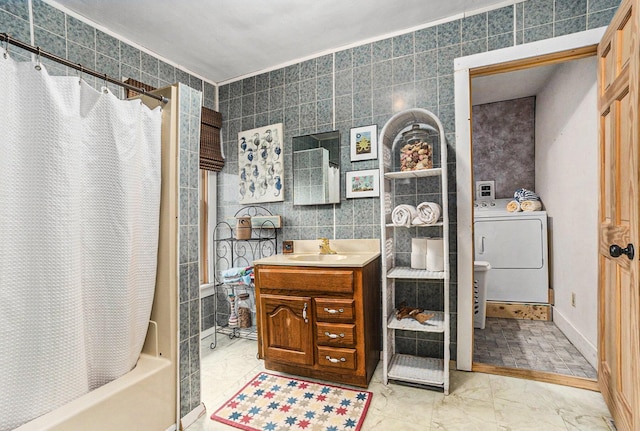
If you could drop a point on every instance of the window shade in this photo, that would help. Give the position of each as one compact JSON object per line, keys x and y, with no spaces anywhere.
{"x":130,"y":93}
{"x":211,"y":158}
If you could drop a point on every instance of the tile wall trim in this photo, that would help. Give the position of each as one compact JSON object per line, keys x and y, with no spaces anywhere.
{"x":376,"y":39}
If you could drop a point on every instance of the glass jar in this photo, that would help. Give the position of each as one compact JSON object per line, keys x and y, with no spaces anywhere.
{"x":415,"y":153}
{"x":244,"y":310}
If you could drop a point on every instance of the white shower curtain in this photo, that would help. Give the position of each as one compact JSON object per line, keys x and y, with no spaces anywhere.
{"x":79,"y":209}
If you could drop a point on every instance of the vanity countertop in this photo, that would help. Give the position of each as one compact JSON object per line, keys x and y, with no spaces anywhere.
{"x":349,"y":253}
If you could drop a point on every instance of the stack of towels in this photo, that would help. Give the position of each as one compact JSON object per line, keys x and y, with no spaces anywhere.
{"x":238,"y":275}
{"x":524,"y":200}
{"x":425,"y":213}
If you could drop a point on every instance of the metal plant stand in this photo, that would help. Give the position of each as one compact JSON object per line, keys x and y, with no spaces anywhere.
{"x":231,"y":252}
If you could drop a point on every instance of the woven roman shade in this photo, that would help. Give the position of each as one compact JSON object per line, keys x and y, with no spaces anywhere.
{"x":130,"y":93}
{"x":211,"y":158}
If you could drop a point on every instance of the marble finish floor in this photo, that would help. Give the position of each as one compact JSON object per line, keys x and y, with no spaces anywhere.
{"x":476,"y":401}
{"x":529,"y":344}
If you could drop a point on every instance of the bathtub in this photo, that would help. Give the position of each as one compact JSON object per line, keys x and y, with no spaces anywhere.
{"x":142,"y":399}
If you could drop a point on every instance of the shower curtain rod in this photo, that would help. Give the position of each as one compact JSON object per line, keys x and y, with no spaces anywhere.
{"x":36,"y":50}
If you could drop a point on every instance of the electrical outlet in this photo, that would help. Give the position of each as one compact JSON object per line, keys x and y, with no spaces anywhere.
{"x":573,"y":299}
{"x":287,"y":246}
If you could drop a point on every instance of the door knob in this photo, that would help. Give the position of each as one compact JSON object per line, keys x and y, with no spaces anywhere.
{"x":616,"y":251}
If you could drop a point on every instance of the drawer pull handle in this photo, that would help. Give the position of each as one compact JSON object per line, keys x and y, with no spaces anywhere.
{"x":330,"y":335}
{"x":335,"y":360}
{"x":332,"y":311}
{"x":304,"y":313}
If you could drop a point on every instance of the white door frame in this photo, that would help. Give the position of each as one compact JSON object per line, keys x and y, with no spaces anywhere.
{"x":464,"y":164}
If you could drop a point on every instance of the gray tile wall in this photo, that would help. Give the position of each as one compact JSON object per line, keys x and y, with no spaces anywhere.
{"x":309,"y":185}
{"x":189,"y":255}
{"x":79,"y":42}
{"x":372,"y":82}
{"x":76,"y":41}
{"x":208,"y":315}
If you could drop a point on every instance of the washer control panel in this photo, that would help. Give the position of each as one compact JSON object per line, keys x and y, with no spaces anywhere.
{"x":486,"y":207}
{"x":484,"y":204}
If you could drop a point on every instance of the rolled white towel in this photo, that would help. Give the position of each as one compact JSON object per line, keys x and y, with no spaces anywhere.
{"x":403,"y":215}
{"x":514,"y":207}
{"x":428,"y":213}
{"x":531,"y":205}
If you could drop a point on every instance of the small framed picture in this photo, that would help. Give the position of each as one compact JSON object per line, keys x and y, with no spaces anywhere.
{"x":363,"y":184}
{"x":364,"y":143}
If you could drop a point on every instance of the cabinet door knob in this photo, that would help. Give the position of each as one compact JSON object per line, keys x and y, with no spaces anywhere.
{"x":332,"y":311}
{"x":304,"y":313}
{"x":335,"y":360}
{"x":330,"y":335}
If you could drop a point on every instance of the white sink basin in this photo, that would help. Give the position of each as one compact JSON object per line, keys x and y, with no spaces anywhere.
{"x":351,"y":253}
{"x":319,"y":257}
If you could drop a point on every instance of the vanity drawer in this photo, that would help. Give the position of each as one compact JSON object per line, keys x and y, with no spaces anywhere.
{"x":305,"y":279}
{"x":334,"y":309}
{"x":337,"y":357}
{"x":336,"y":334}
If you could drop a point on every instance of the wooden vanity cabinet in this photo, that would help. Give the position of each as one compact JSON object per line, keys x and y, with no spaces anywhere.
{"x":320,"y":322}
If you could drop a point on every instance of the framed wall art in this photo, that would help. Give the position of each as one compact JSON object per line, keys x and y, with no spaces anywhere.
{"x":364,"y":143}
{"x":363,"y":184}
{"x":260,"y":164}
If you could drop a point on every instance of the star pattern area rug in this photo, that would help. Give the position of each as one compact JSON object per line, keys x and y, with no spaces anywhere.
{"x":276,"y":403}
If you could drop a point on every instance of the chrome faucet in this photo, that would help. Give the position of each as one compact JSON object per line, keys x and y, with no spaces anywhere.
{"x":324,"y":246}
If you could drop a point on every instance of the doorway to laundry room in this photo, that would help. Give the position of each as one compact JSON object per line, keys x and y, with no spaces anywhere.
{"x":534,"y":138}
{"x":534,"y":129}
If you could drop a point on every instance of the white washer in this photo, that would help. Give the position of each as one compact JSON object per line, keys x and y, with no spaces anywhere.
{"x":515,"y":244}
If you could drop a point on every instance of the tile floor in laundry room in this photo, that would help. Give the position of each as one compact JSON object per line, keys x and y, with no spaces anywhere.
{"x":529,"y":344}
{"x":476,"y":401}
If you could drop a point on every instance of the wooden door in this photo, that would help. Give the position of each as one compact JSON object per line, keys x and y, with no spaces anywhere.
{"x":619,"y":288}
{"x":286,"y":329}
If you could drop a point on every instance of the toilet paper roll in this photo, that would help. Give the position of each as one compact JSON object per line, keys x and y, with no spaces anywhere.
{"x":418,"y":260}
{"x":419,"y":245}
{"x":435,"y":254}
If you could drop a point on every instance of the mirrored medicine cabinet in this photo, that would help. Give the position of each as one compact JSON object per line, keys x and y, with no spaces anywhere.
{"x":316,"y":168}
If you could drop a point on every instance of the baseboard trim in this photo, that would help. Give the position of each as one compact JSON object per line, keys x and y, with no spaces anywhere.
{"x":516,"y":310}
{"x":540,"y":376}
{"x":195,"y":414}
{"x":588,"y":350}
{"x":610,"y":424}
{"x":207,"y":332}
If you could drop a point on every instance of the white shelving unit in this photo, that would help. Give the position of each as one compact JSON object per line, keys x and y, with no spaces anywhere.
{"x":399,"y":366}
